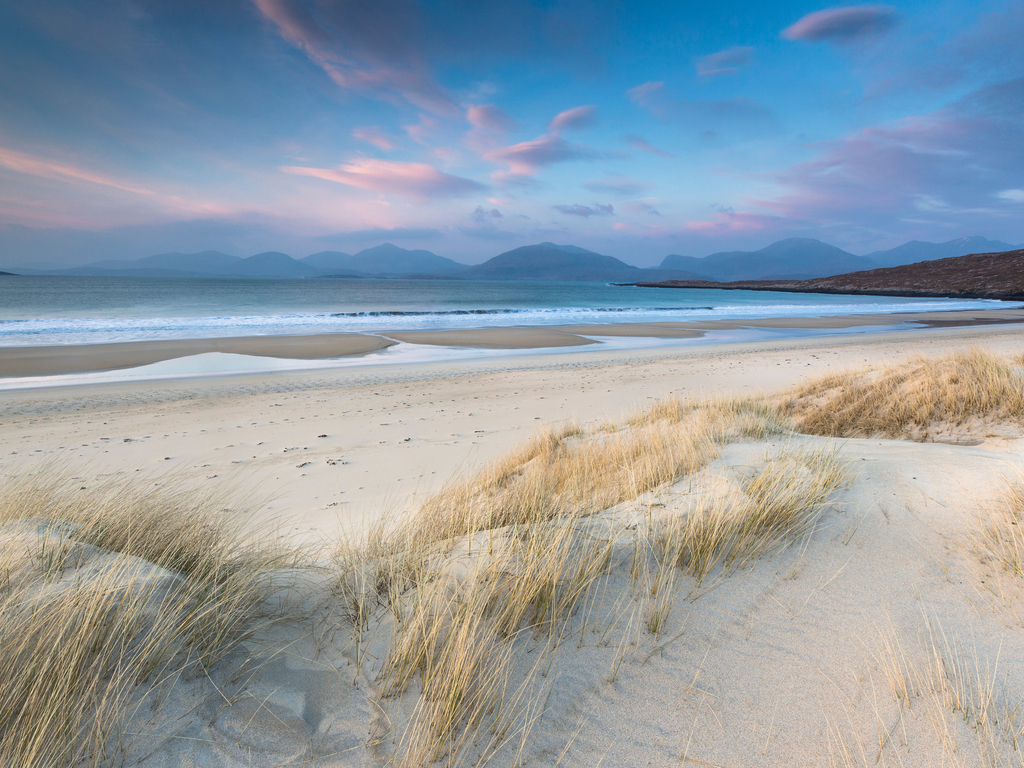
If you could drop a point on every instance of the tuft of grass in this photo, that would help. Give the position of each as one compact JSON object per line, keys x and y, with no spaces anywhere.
{"x":109,"y":593}
{"x":907,"y":400}
{"x":1003,"y":537}
{"x":944,"y":682}
{"x":782,"y":502}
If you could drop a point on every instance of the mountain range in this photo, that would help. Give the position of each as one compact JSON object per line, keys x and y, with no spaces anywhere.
{"x":791,"y":259}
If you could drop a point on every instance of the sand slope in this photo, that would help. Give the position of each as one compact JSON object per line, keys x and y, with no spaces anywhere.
{"x":783,"y":663}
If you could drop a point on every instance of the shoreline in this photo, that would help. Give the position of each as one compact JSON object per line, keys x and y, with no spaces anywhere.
{"x":347,"y":445}
{"x":24,"y":362}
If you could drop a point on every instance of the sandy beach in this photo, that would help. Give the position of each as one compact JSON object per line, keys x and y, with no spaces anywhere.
{"x":330,"y":446}
{"x":882,"y":628}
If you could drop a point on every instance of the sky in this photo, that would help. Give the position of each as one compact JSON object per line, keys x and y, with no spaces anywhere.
{"x":636,"y":129}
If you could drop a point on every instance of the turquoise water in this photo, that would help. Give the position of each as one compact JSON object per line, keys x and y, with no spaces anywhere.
{"x":70,"y":310}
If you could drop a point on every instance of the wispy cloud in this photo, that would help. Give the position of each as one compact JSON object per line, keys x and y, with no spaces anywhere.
{"x":489,"y":117}
{"x":573,"y":119}
{"x":526,"y":157}
{"x":727,"y":62}
{"x":642,"y":145}
{"x":415,"y":180}
{"x":51,"y":169}
{"x":843,"y":25}
{"x":953,"y":163}
{"x":373,"y":135}
{"x":641,"y":206}
{"x":361,"y":46}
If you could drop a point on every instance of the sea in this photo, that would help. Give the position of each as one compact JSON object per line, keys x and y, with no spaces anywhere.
{"x":50,"y":310}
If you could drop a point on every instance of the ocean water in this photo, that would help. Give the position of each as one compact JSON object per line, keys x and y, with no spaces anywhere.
{"x":78,"y":310}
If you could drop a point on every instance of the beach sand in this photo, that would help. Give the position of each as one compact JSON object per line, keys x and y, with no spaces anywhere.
{"x":796,"y":660}
{"x":344,"y":445}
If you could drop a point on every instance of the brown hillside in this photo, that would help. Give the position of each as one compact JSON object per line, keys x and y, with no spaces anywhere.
{"x":976,"y":276}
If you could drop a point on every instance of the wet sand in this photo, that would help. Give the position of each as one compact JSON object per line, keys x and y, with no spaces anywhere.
{"x":84,"y":358}
{"x":494,"y":338}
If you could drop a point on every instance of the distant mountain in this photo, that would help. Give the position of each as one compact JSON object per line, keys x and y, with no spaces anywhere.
{"x":386,"y":259}
{"x":329,"y":261}
{"x":269,"y":264}
{"x":917,"y":250}
{"x":794,"y":258}
{"x":547,"y":261}
{"x":203,"y":263}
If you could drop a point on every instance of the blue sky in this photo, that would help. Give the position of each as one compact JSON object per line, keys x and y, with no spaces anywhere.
{"x":129,"y":127}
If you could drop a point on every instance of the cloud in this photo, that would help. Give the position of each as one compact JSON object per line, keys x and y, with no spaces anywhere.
{"x":842,"y":25}
{"x":51,"y":169}
{"x":573,"y":120}
{"x":421,"y":131}
{"x":639,"y":206}
{"x":526,"y":157}
{"x":372,"y":47}
{"x":1013,"y":195}
{"x":950,"y":163}
{"x":485,"y":227}
{"x":372,"y":135}
{"x":585,"y":211}
{"x":489,"y":117}
{"x":640,"y":145}
{"x":415,"y":180}
{"x":481,"y":215}
{"x":621,"y":186}
{"x":727,"y":62}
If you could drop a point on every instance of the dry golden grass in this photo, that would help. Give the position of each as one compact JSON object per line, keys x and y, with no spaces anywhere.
{"x":514,"y":551}
{"x":942,"y":686}
{"x":110,"y":592}
{"x":908,"y":400}
{"x":1003,"y":537}
{"x":781,"y":503}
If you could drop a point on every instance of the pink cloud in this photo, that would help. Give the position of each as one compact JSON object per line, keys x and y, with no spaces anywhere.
{"x":373,"y":135}
{"x":353,"y":56}
{"x":727,"y":62}
{"x":950,"y":163}
{"x":49,"y":169}
{"x":489,"y":117}
{"x":415,"y":180}
{"x":573,"y":119}
{"x":842,"y":24}
{"x":526,"y":157}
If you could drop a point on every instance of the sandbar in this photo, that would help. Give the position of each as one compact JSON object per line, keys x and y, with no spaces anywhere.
{"x":85,"y":358}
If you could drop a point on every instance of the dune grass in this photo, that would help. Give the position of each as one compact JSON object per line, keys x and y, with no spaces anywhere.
{"x":1003,"y":538}
{"x":910,"y":399}
{"x":113,"y":591}
{"x":514,"y":551}
{"x":952,"y":708}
